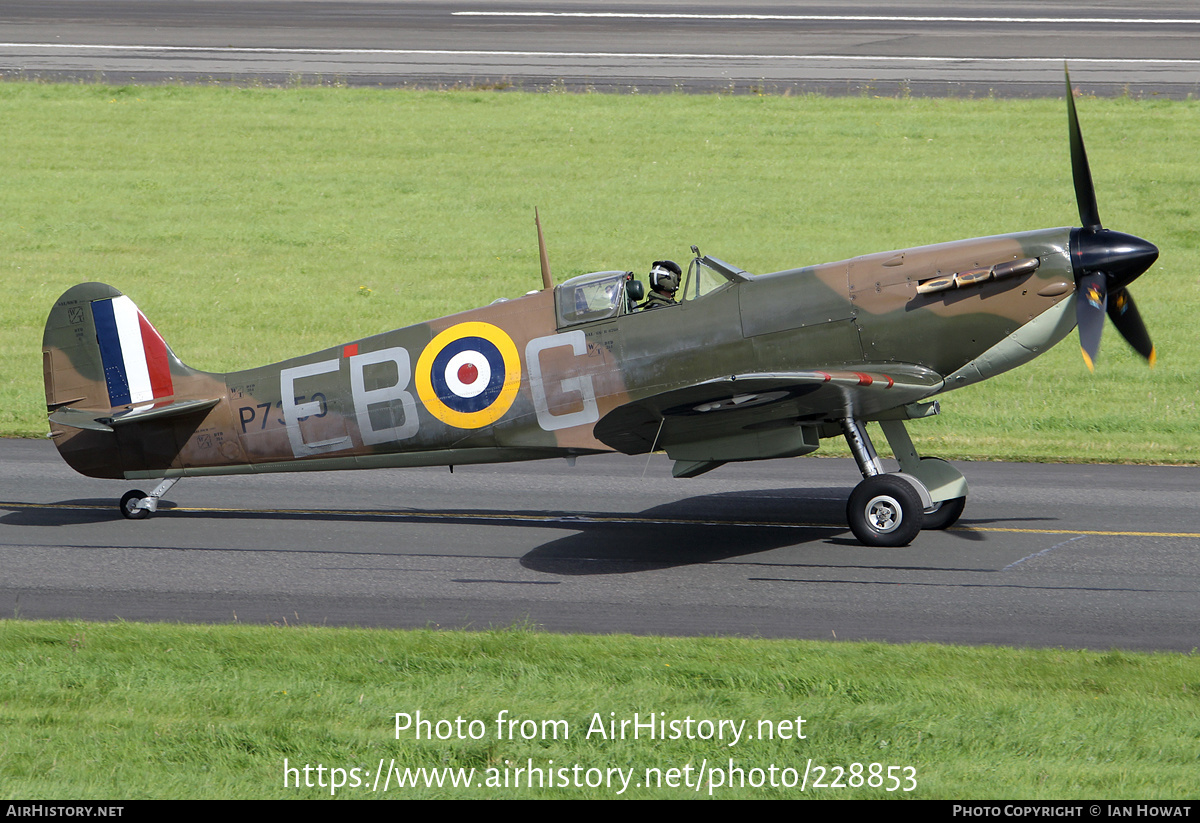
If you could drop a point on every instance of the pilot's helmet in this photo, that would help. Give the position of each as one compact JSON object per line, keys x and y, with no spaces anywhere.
{"x":664,"y":276}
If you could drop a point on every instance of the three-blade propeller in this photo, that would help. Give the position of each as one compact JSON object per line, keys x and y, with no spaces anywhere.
{"x":1105,"y":262}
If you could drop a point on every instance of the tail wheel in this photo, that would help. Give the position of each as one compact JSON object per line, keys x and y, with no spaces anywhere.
{"x":884,"y":511}
{"x":129,"y":505}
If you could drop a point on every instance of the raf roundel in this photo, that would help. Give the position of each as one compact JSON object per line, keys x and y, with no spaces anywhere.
{"x":468,"y":376}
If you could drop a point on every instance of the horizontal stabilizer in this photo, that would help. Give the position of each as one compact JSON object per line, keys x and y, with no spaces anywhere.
{"x":104,"y":420}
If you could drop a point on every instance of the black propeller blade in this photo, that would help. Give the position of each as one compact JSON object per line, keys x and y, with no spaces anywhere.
{"x":1085,"y":192}
{"x":1128,"y":320}
{"x":1105,"y":261}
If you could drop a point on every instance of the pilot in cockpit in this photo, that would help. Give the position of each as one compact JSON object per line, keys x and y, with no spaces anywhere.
{"x":664,"y":282}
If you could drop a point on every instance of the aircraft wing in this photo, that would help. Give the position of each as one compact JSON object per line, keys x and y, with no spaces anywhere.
{"x":747,"y":403}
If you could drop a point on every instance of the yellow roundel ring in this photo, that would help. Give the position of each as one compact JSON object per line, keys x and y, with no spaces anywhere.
{"x":469,"y":375}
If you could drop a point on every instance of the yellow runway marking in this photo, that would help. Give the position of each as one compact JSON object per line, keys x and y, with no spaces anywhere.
{"x":1094,"y":532}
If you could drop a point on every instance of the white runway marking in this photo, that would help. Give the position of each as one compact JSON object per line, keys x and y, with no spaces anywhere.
{"x":1043,"y":551}
{"x":588,"y":54}
{"x":830,"y":18}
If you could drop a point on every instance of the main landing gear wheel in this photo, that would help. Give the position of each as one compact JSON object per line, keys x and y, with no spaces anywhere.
{"x":884,"y":510}
{"x":945,"y":514}
{"x":129,"y":507}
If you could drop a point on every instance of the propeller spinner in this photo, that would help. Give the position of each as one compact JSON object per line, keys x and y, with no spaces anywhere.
{"x":1104,"y":261}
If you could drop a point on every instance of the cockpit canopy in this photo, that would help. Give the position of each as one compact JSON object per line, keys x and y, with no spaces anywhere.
{"x":588,"y":297}
{"x":604,"y":294}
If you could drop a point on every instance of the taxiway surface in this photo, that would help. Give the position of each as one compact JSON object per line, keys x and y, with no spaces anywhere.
{"x":1080,"y":556}
{"x":969,"y":47}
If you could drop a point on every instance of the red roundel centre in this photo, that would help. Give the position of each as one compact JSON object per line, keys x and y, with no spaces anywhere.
{"x":468,"y":373}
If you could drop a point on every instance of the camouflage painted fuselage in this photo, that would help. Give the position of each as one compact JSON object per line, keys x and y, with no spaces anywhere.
{"x":757,"y":367}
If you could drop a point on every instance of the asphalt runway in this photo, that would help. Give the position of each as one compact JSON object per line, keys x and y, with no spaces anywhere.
{"x":968,"y":48}
{"x":1045,"y":555}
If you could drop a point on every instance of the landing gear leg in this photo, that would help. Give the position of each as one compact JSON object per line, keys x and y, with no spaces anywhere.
{"x":137,"y":505}
{"x":947,"y":487}
{"x":884,"y":509}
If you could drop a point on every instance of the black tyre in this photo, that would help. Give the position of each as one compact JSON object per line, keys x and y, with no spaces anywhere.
{"x":884,"y":511}
{"x":945,"y":514}
{"x":129,"y":505}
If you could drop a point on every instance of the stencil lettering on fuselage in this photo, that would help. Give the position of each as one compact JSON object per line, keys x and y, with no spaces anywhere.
{"x":364,"y":397}
{"x":294,"y":412}
{"x":474,"y":366}
{"x":580,"y":385}
{"x":384,"y":399}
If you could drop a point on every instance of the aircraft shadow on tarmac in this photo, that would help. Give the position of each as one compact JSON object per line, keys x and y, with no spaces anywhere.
{"x":706,"y":529}
{"x":694,"y":530}
{"x":63,"y":513}
{"x":686,"y":532}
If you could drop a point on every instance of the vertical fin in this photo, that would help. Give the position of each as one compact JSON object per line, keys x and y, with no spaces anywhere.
{"x":117,"y":398}
{"x":100,"y":352}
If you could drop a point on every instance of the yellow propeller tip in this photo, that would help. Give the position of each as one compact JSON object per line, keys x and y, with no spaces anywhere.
{"x":1087,"y":359}
{"x":1153,"y":358}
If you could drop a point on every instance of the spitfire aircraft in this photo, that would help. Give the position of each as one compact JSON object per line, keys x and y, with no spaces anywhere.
{"x":739,"y":367}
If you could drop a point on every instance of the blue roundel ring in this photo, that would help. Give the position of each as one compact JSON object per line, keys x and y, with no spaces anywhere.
{"x":469,"y":375}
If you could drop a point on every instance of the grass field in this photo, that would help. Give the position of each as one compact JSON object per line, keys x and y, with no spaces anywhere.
{"x":254,"y":224}
{"x":130,"y":711}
